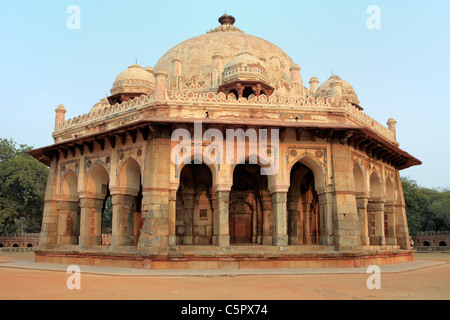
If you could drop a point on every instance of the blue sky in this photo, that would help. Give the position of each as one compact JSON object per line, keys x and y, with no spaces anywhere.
{"x":399,"y":71}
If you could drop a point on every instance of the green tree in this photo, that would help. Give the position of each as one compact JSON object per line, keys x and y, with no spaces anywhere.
{"x":22,"y":188}
{"x":426,"y":209}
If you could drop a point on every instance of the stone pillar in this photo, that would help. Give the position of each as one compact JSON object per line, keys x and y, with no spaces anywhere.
{"x":160,"y":84}
{"x":91,"y":220}
{"x":375,"y":209}
{"x":325,"y":217}
{"x":68,"y":224}
{"x":188,"y":214}
{"x":346,"y":225}
{"x":172,"y":217}
{"x":221,"y":227}
{"x":306,"y":224}
{"x":361,"y":203}
{"x":267,"y":218}
{"x":401,"y":223}
{"x":48,"y":236}
{"x":279,"y":234}
{"x":389,"y":219}
{"x":155,"y":191}
{"x":123,"y":219}
{"x":294,"y":212}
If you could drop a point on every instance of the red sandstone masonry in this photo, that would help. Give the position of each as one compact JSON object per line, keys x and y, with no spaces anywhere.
{"x":196,"y":263}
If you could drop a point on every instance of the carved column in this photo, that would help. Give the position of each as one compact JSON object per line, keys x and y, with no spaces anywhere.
{"x":172,"y":217}
{"x":346,"y":224}
{"x":295,"y":212}
{"x":279,"y":235}
{"x":68,"y":222}
{"x":188,"y":213}
{"x":155,"y":192}
{"x":389,"y":218}
{"x":124,"y":218}
{"x":48,"y":236}
{"x":221,"y":229}
{"x":361,"y":204}
{"x":325,"y":217}
{"x":267,"y":219}
{"x":375,"y":211}
{"x":91,"y":220}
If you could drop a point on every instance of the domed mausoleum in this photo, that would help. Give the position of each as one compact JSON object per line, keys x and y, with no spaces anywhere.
{"x":220,"y":157}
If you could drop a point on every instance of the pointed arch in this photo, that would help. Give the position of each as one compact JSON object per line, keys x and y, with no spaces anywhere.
{"x":130,"y":175}
{"x":178,"y":168}
{"x":376,"y":188}
{"x":359,"y":180}
{"x":390,"y":190}
{"x":303,"y":206}
{"x":69,"y":185}
{"x":314,"y":166}
{"x":194,"y":208}
{"x":262,"y":162}
{"x":68,"y":210}
{"x":250,"y":223}
{"x":97,"y":179}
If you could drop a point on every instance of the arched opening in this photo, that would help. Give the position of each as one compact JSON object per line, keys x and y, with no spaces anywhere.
{"x":390,"y":191}
{"x":247,"y":92}
{"x":442,"y":244}
{"x":234,"y":91}
{"x":94,"y":205}
{"x":1,"y":245}
{"x":249,"y":206}
{"x":69,"y":210}
{"x":389,"y":213}
{"x":194,"y":209}
{"x":358,"y":177}
{"x":15,"y":245}
{"x":30,"y":245}
{"x":303,"y":207}
{"x":375,"y":211}
{"x":107,"y":216}
{"x":375,"y":186}
{"x":426,"y":243}
{"x":127,"y":199}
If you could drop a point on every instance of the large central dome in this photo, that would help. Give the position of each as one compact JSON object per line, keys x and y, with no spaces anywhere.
{"x":193,"y":58}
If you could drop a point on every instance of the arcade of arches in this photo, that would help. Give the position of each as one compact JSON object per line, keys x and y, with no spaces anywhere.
{"x":250,"y":207}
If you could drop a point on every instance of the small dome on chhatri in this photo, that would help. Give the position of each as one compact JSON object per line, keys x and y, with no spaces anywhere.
{"x":134,"y":79}
{"x":245,"y":66}
{"x":101,"y":105}
{"x":348,"y":93}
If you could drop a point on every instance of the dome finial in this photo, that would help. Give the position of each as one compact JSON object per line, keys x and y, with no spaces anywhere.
{"x":227,"y":19}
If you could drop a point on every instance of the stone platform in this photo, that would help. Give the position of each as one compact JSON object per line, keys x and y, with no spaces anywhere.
{"x":233,"y":257}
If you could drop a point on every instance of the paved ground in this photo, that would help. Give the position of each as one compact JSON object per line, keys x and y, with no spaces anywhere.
{"x":427,"y":278}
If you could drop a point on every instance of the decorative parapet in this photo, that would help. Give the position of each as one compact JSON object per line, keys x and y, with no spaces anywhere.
{"x":368,"y":121}
{"x":356,"y":115}
{"x":105,"y":113}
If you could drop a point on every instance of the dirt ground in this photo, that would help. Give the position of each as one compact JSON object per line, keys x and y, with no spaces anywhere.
{"x":431,"y":283}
